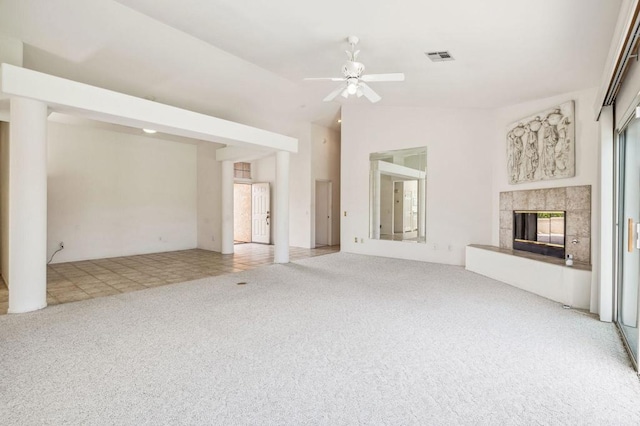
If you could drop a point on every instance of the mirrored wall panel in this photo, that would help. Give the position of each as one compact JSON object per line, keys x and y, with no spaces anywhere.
{"x":398,"y":195}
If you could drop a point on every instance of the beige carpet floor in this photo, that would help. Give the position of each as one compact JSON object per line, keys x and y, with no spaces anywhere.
{"x":336,"y":339}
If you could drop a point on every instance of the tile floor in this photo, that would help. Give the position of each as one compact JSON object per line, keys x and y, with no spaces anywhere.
{"x":74,"y":281}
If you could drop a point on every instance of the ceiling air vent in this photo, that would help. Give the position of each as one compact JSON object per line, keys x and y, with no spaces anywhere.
{"x":439,"y":56}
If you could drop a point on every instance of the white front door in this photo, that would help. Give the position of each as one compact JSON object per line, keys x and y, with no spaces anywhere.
{"x":260,"y":213}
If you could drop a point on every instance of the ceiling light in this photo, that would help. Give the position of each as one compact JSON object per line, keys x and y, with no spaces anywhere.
{"x":150,"y":131}
{"x":352,"y":88}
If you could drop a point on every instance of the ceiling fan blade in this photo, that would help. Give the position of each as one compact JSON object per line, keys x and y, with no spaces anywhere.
{"x":369,"y":93}
{"x":331,"y":96}
{"x":324,"y":78}
{"x":398,"y":76}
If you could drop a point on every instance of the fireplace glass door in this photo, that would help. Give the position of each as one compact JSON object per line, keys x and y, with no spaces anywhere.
{"x":628,"y":268}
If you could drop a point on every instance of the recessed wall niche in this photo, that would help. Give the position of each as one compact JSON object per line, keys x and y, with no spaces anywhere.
{"x":575,"y":200}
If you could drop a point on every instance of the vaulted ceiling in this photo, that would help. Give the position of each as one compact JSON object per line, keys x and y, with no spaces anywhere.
{"x":245,"y":60}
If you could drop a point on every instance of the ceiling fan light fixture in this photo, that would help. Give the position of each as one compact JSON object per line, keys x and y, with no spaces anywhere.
{"x":355,"y":79}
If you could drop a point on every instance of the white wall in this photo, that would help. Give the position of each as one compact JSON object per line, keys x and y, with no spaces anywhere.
{"x":4,"y":200}
{"x":11,"y":51}
{"x":458,"y":177}
{"x":325,"y":165}
{"x":301,"y":186}
{"x":301,"y":192}
{"x":114,"y":194}
{"x":587,"y":164}
{"x":209,"y":197}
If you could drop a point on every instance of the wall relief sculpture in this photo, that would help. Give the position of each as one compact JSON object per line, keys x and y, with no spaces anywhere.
{"x":542,"y":146}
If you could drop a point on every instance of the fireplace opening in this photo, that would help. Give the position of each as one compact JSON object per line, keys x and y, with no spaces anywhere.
{"x":539,"y":232}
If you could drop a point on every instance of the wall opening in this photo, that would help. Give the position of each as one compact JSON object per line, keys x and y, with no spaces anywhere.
{"x":241,"y":213}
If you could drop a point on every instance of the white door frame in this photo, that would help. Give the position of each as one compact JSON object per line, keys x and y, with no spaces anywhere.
{"x":393,"y":209}
{"x":329,"y":209}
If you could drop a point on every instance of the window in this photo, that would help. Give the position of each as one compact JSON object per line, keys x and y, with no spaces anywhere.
{"x":242,"y":170}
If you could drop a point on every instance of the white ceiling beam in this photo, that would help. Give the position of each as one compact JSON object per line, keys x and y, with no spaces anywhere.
{"x":95,"y":103}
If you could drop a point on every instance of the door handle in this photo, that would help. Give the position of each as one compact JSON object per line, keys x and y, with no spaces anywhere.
{"x":267,"y":219}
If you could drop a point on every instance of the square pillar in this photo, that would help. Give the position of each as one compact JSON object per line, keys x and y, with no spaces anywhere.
{"x":27,"y":209}
{"x":282,"y":208}
{"x":227,"y":207}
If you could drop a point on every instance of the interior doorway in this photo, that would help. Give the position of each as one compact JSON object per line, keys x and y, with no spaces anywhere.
{"x":251,"y":213}
{"x":242,"y":213}
{"x":324,"y":193}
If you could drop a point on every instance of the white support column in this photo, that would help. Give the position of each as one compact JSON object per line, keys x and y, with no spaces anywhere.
{"x":27,"y":206}
{"x":227,"y":207}
{"x":282,"y":208}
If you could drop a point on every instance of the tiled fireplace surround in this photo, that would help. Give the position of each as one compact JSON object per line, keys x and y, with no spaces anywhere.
{"x":575,"y":200}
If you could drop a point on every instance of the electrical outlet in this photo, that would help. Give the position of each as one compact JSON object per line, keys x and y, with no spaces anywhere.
{"x":356,"y":239}
{"x":213,"y":238}
{"x":61,"y":245}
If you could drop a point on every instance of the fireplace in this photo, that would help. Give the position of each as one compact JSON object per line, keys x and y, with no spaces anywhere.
{"x":541,"y":232}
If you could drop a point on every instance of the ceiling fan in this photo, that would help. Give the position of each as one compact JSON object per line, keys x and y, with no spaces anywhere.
{"x":354,"y":82}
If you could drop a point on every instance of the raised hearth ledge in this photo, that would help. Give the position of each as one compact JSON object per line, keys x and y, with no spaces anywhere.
{"x":546,"y":277}
{"x":534,"y":256}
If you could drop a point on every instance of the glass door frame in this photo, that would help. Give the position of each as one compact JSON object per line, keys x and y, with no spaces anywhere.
{"x":619,"y":226}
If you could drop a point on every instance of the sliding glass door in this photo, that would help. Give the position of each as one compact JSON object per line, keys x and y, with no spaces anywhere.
{"x":628,"y":268}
